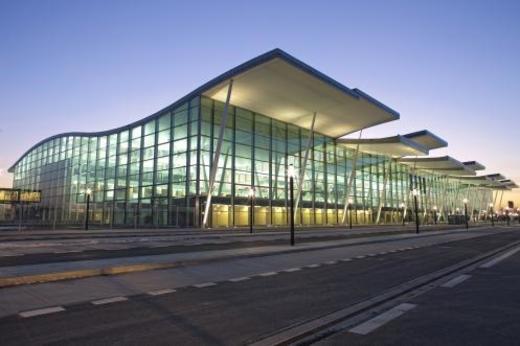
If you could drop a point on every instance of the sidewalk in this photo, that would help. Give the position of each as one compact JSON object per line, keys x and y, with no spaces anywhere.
{"x":36,"y":273}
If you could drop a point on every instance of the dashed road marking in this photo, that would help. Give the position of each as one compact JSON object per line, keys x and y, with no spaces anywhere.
{"x":243,"y":278}
{"x":161,"y":292}
{"x":455,"y":281}
{"x":313,"y":265}
{"x":206,"y":284}
{"x":500,"y":258}
{"x":360,"y":257}
{"x":39,"y":312}
{"x":109,"y":300}
{"x":383,"y":253}
{"x":331,"y":262}
{"x":346,"y":259}
{"x":268,"y":274}
{"x":371,"y":255}
{"x":387,"y":316}
{"x":290,"y":270}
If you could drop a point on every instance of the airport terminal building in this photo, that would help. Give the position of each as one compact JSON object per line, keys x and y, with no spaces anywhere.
{"x":233,"y":142}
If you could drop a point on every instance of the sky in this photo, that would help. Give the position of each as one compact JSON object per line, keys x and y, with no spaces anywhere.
{"x":448,"y":66}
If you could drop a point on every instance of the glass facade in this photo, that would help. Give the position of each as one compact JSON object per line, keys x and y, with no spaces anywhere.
{"x":156,"y":173}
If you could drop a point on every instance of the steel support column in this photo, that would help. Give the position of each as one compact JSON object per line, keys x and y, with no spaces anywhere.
{"x":350,"y":181}
{"x":216,"y":158}
{"x":303,"y":167}
{"x":382,"y":193}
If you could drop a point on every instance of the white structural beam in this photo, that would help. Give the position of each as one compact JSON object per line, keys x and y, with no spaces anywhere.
{"x":216,"y":158}
{"x":304,"y":166}
{"x":350,"y":180}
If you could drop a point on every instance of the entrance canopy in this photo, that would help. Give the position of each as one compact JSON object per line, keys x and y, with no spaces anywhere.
{"x":474,"y":165}
{"x":396,"y":146}
{"x":280,"y":86}
{"x":443,"y":164}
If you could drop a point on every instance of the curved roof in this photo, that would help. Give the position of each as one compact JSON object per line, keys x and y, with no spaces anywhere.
{"x":396,"y":146}
{"x":427,"y":139}
{"x":280,"y":86}
{"x":442,"y":164}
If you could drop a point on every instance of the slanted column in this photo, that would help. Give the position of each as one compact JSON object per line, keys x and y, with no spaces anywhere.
{"x":216,"y":157}
{"x":304,"y":166}
{"x":382,"y":193}
{"x":350,"y":181}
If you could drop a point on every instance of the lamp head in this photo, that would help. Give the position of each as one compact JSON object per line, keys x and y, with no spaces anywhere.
{"x":290,"y":171}
{"x":465,"y":200}
{"x":88,"y":191}
{"x":414,"y":192}
{"x":251,"y":192}
{"x":350,"y":201}
{"x":435,"y":207}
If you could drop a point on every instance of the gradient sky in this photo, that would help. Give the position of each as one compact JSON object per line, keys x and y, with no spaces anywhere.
{"x":448,"y":66}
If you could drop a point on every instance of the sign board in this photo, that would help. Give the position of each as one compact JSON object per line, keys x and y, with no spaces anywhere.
{"x":11,"y":196}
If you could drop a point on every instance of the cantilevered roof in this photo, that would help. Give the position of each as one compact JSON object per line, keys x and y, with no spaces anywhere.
{"x":481,"y":180}
{"x":396,"y":146}
{"x":282,"y":87}
{"x":496,"y":176}
{"x":442,"y":164}
{"x":427,"y":139}
{"x":474,"y":165}
{"x":508,"y":183}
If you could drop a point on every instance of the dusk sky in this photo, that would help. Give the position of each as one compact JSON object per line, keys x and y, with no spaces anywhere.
{"x":448,"y":66}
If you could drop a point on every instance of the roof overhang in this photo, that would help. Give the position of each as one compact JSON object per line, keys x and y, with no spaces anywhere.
{"x":474,"y":165}
{"x":444,"y":164}
{"x":280,"y":86}
{"x":427,"y":139}
{"x":396,"y":146}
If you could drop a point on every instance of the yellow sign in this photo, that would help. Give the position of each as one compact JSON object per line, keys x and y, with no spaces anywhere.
{"x":19,"y":196}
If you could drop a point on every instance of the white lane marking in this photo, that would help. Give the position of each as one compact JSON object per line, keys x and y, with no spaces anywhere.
{"x":313,"y":265}
{"x":360,"y":257}
{"x":12,"y":255}
{"x":383,"y":253}
{"x":371,"y":255}
{"x":38,"y":312}
{"x":500,"y":258}
{"x":109,"y":300}
{"x":161,"y":292}
{"x":206,"y":284}
{"x":268,"y":274}
{"x":346,"y":259}
{"x":455,"y":281}
{"x":290,"y":270}
{"x":387,"y":316}
{"x":243,"y":278}
{"x":331,"y":262}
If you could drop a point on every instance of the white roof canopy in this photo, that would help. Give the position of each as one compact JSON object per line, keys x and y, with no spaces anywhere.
{"x":396,"y":146}
{"x":443,"y":164}
{"x":427,"y":139}
{"x":282,"y":87}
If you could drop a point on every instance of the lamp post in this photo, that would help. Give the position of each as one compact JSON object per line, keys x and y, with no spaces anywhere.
{"x":291,"y":174}
{"x":492,"y":216}
{"x":402,"y":211}
{"x":507,"y":215}
{"x":465,"y":200}
{"x":435,"y":214}
{"x":251,"y":197}
{"x":350,"y":201}
{"x":414,"y":193}
{"x":88,"y":191}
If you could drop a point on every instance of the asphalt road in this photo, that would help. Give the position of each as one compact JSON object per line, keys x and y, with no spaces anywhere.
{"x":482,"y":310}
{"x":243,"y":311}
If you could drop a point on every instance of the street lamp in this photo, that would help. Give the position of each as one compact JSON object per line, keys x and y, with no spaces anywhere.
{"x":402,"y":210}
{"x":414,"y":193}
{"x":465,"y":200}
{"x":88,"y":191}
{"x":291,"y":173}
{"x":507,"y":215}
{"x":350,"y":201}
{"x":435,"y":214}
{"x":492,"y":216}
{"x":251,"y":197}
